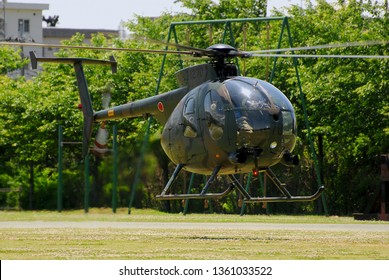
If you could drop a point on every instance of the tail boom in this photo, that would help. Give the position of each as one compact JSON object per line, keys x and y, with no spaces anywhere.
{"x":160,"y":106}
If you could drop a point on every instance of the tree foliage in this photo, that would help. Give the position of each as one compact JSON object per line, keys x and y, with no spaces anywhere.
{"x":10,"y":60}
{"x":347,"y":98}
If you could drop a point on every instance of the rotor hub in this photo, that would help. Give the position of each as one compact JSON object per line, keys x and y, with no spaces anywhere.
{"x":219,"y":54}
{"x":223,"y":51}
{"x":222,"y":48}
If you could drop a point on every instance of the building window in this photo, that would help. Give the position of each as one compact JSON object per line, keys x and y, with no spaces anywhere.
{"x":24,"y":26}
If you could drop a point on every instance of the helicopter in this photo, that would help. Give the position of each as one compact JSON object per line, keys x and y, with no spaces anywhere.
{"x":215,"y":123}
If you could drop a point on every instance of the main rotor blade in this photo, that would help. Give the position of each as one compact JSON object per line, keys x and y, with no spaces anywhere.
{"x":323,"y":56}
{"x":39,"y":45}
{"x":170,"y":44}
{"x":328,"y":46}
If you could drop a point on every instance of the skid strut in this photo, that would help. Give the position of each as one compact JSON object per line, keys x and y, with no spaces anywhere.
{"x":234,"y":183}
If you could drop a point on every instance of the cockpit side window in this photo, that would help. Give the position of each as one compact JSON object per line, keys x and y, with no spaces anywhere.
{"x":289,"y":126}
{"x":189,"y":107}
{"x":214,"y":112}
{"x":190,"y":129}
{"x":251,"y":104}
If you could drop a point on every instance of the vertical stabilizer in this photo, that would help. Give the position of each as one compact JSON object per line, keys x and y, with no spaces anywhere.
{"x":86,"y":101}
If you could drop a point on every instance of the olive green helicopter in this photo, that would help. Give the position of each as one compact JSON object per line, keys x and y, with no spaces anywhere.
{"x":216,"y":122}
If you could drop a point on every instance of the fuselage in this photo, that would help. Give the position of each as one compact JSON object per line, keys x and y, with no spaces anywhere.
{"x":233,"y":122}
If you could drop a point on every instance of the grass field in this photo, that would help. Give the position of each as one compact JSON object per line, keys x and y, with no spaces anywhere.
{"x":210,"y":243}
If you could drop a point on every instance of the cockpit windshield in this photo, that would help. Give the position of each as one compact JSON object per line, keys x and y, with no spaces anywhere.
{"x":245,"y":96}
{"x":249,"y":93}
{"x":257,"y":103}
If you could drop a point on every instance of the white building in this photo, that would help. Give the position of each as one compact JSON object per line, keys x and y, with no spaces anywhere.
{"x":22,"y":22}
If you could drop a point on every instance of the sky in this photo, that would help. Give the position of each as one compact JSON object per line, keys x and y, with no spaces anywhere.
{"x":103,"y":14}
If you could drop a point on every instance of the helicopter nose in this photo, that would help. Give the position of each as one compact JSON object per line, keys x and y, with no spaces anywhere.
{"x":264,"y":139}
{"x":238,"y":157}
{"x":243,"y":154}
{"x":254,"y":129}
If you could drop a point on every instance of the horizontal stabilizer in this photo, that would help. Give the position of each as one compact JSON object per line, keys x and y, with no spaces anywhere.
{"x":71,"y":60}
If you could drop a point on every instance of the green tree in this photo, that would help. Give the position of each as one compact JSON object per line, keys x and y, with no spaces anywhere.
{"x":10,"y":60}
{"x":347,"y":98}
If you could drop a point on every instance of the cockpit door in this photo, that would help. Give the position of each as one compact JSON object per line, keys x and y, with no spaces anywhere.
{"x":219,"y":120}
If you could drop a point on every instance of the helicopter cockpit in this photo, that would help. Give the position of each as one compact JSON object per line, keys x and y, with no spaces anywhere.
{"x":236,"y":123}
{"x":263,"y":116}
{"x":251,"y":96}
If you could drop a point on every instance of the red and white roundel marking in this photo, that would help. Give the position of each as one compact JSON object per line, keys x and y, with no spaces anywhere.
{"x":160,"y":106}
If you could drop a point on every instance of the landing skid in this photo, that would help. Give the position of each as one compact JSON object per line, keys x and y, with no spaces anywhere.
{"x":286,"y":197}
{"x":234,"y":183}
